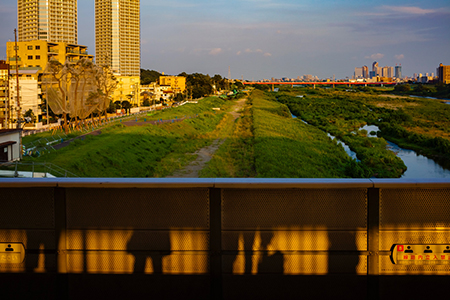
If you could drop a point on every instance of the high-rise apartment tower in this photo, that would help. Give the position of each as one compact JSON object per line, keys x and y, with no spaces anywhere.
{"x":398,"y":71}
{"x":50,"y":20}
{"x":117,"y":35}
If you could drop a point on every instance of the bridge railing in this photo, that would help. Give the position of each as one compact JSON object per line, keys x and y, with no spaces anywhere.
{"x":221,"y":238}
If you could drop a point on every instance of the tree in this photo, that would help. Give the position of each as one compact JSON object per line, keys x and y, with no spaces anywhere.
{"x":402,"y":88}
{"x":106,"y":83}
{"x":29,"y":114}
{"x":55,"y":83}
{"x":78,"y":89}
{"x":148,"y":76}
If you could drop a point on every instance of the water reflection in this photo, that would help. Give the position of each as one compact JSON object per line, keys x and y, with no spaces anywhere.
{"x":347,"y":149}
{"x":418,"y":165}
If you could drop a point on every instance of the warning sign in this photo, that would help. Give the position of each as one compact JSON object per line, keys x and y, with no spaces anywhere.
{"x":12,"y":253}
{"x":420,"y":254}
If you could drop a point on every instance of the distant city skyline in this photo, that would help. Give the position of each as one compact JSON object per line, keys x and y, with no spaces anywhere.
{"x":285,"y":38}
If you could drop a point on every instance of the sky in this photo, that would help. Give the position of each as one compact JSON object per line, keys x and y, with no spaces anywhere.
{"x":261,"y":39}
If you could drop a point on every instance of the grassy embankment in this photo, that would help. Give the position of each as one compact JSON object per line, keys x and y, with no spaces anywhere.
{"x":418,"y":124}
{"x":267,"y":142}
{"x":144,"y":151}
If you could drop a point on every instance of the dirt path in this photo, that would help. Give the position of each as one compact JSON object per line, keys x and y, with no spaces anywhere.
{"x":204,"y":155}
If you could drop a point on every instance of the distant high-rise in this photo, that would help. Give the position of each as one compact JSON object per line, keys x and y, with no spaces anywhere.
{"x":365,"y":72}
{"x":358,"y":73}
{"x":50,"y":20}
{"x":376,"y":69}
{"x":374,"y":66}
{"x":117,"y":36}
{"x":398,"y":71}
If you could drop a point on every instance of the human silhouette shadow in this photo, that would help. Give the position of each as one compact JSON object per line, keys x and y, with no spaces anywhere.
{"x":342,"y":255}
{"x":274,"y":263}
{"x":143,"y":245}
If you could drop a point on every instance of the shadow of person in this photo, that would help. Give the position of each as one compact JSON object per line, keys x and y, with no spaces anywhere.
{"x":269,"y":262}
{"x":153,"y":245}
{"x":342,"y":253}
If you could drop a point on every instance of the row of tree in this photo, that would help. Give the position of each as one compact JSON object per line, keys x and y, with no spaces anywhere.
{"x":197,"y":85}
{"x":78,"y":90}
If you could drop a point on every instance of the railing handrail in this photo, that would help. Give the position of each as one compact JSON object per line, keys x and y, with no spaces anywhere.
{"x":234,"y":183}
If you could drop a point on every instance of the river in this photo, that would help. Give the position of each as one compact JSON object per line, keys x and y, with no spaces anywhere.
{"x":446,"y":101}
{"x":419,"y":166}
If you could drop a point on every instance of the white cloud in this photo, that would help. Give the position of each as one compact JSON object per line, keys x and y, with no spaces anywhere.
{"x":215,"y":51}
{"x":267,"y":54}
{"x":239,"y":53}
{"x":376,"y":56}
{"x":399,"y":56}
{"x":413,"y":10}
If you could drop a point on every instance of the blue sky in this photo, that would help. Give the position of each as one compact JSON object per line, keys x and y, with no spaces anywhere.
{"x":277,"y":38}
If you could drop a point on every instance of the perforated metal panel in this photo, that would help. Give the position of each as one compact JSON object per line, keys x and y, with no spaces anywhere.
{"x":121,"y":262}
{"x":294,"y":209}
{"x":295,"y":240}
{"x":26,"y":208}
{"x":34,"y":263}
{"x":388,"y":268}
{"x":294,"y":263}
{"x":137,"y":240}
{"x":31,"y":239}
{"x":137,"y":208}
{"x":415,"y":209}
{"x":389,"y":238}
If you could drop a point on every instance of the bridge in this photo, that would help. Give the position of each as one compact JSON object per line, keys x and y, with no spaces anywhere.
{"x":332,"y":83}
{"x":103,"y":238}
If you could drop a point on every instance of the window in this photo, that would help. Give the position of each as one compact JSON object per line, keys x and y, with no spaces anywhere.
{"x":30,"y":47}
{"x":38,"y":47}
{"x":38,"y":57}
{"x":30,"y":56}
{"x":16,"y":47}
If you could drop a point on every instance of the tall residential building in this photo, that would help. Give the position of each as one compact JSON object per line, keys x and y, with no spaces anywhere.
{"x":358,"y":73}
{"x":398,"y":71}
{"x":387,"y":72}
{"x":443,"y":73}
{"x":365,"y":72}
{"x":4,"y":94}
{"x":50,"y":20}
{"x":117,"y":35}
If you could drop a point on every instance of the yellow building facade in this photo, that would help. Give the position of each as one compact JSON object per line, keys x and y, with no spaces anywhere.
{"x":127,"y":89}
{"x":4,"y":94}
{"x":34,"y":55}
{"x":31,"y":61}
{"x":177,"y":83}
{"x":444,"y":74}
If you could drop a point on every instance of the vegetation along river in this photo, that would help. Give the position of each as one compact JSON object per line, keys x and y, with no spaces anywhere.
{"x":418,"y":165}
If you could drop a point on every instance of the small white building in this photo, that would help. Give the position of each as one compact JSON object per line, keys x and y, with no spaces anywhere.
{"x":10,"y":144}
{"x":29,"y":96}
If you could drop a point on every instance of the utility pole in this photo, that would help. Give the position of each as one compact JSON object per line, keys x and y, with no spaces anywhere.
{"x":19,"y":110}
